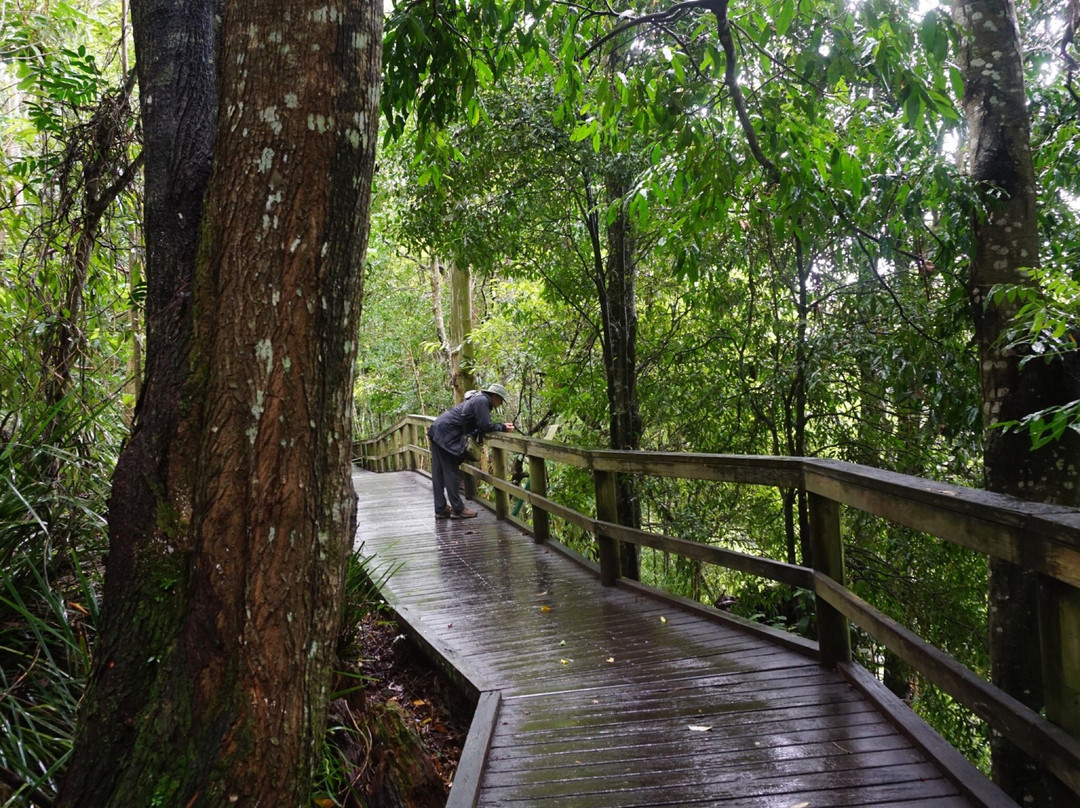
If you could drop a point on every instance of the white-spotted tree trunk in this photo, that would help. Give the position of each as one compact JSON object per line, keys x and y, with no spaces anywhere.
{"x":1007,"y":242}
{"x":232,"y":513}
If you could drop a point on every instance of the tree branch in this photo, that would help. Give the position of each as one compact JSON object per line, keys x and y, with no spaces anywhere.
{"x":670,"y":15}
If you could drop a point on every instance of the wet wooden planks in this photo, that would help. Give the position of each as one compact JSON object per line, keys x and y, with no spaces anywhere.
{"x":611,"y":698}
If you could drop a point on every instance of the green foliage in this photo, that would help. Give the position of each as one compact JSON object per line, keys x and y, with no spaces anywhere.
{"x":65,"y":333}
{"x":938,"y":590}
{"x":1044,"y":330}
{"x":51,"y":540}
{"x":436,"y":57}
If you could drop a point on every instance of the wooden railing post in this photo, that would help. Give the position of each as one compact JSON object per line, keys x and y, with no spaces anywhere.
{"x":416,"y":442}
{"x":1059,"y":622}
{"x":498,"y":469}
{"x":607,"y":510}
{"x":410,"y":441}
{"x":538,"y":485}
{"x":826,"y":542}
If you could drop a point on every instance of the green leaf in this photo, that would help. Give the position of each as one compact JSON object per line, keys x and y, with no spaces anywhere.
{"x":786,"y":15}
{"x":583,"y":131}
{"x":957,"y":80}
{"x":912,"y":109}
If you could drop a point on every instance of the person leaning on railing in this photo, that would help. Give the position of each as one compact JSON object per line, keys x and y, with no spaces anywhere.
{"x":448,"y":437}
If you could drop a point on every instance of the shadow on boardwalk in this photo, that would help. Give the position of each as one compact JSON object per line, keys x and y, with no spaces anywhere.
{"x":608,"y":697}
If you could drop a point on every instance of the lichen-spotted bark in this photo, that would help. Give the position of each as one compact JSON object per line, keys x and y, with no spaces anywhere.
{"x":1007,"y":242}
{"x":250,"y":534}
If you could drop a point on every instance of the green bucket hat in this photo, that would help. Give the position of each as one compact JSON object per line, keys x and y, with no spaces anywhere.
{"x":497,"y":390}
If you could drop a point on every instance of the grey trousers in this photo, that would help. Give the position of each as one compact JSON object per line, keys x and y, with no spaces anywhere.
{"x":445,"y":475}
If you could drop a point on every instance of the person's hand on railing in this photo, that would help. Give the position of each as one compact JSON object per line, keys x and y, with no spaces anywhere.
{"x":508,"y":427}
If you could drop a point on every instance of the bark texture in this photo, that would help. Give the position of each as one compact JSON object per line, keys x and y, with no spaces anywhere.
{"x":1007,"y":241}
{"x":232,"y":508}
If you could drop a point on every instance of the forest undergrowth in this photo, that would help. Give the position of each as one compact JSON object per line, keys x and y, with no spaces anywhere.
{"x":400,"y":675}
{"x":395,"y":725}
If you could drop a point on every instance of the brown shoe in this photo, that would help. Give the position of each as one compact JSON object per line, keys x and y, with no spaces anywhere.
{"x":444,"y":513}
{"x":464,"y":513}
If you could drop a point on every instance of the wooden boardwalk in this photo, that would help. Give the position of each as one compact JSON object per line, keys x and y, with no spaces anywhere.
{"x":608,"y":697}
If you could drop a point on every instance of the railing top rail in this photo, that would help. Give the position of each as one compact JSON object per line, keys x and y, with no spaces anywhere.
{"x":1036,"y":535}
{"x":417,"y":420}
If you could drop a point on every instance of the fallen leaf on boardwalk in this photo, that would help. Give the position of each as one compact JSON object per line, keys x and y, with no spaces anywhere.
{"x":800,"y":805}
{"x":545,"y":608}
{"x":699,"y":728}
{"x":611,"y":659}
{"x":565,"y":661}
{"x":562,"y":643}
{"x":663,"y":619}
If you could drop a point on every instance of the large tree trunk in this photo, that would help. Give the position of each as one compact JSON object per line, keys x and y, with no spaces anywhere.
{"x":1007,"y":241}
{"x":232,"y":504}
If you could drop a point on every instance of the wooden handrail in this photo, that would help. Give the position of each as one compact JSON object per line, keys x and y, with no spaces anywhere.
{"x":1043,"y":538}
{"x":1056,"y":749}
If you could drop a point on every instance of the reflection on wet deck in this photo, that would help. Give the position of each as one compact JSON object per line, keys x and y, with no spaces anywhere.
{"x":612,"y":698}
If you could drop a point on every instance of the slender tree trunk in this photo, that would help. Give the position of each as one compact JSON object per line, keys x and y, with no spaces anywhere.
{"x":461,"y":348}
{"x":449,"y":352}
{"x":614,"y":254}
{"x":799,"y":393}
{"x":621,"y":324}
{"x":461,"y":323}
{"x":232,"y":505}
{"x":1007,"y":241}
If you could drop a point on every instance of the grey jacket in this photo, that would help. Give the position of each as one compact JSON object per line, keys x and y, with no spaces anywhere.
{"x":451,"y":430}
